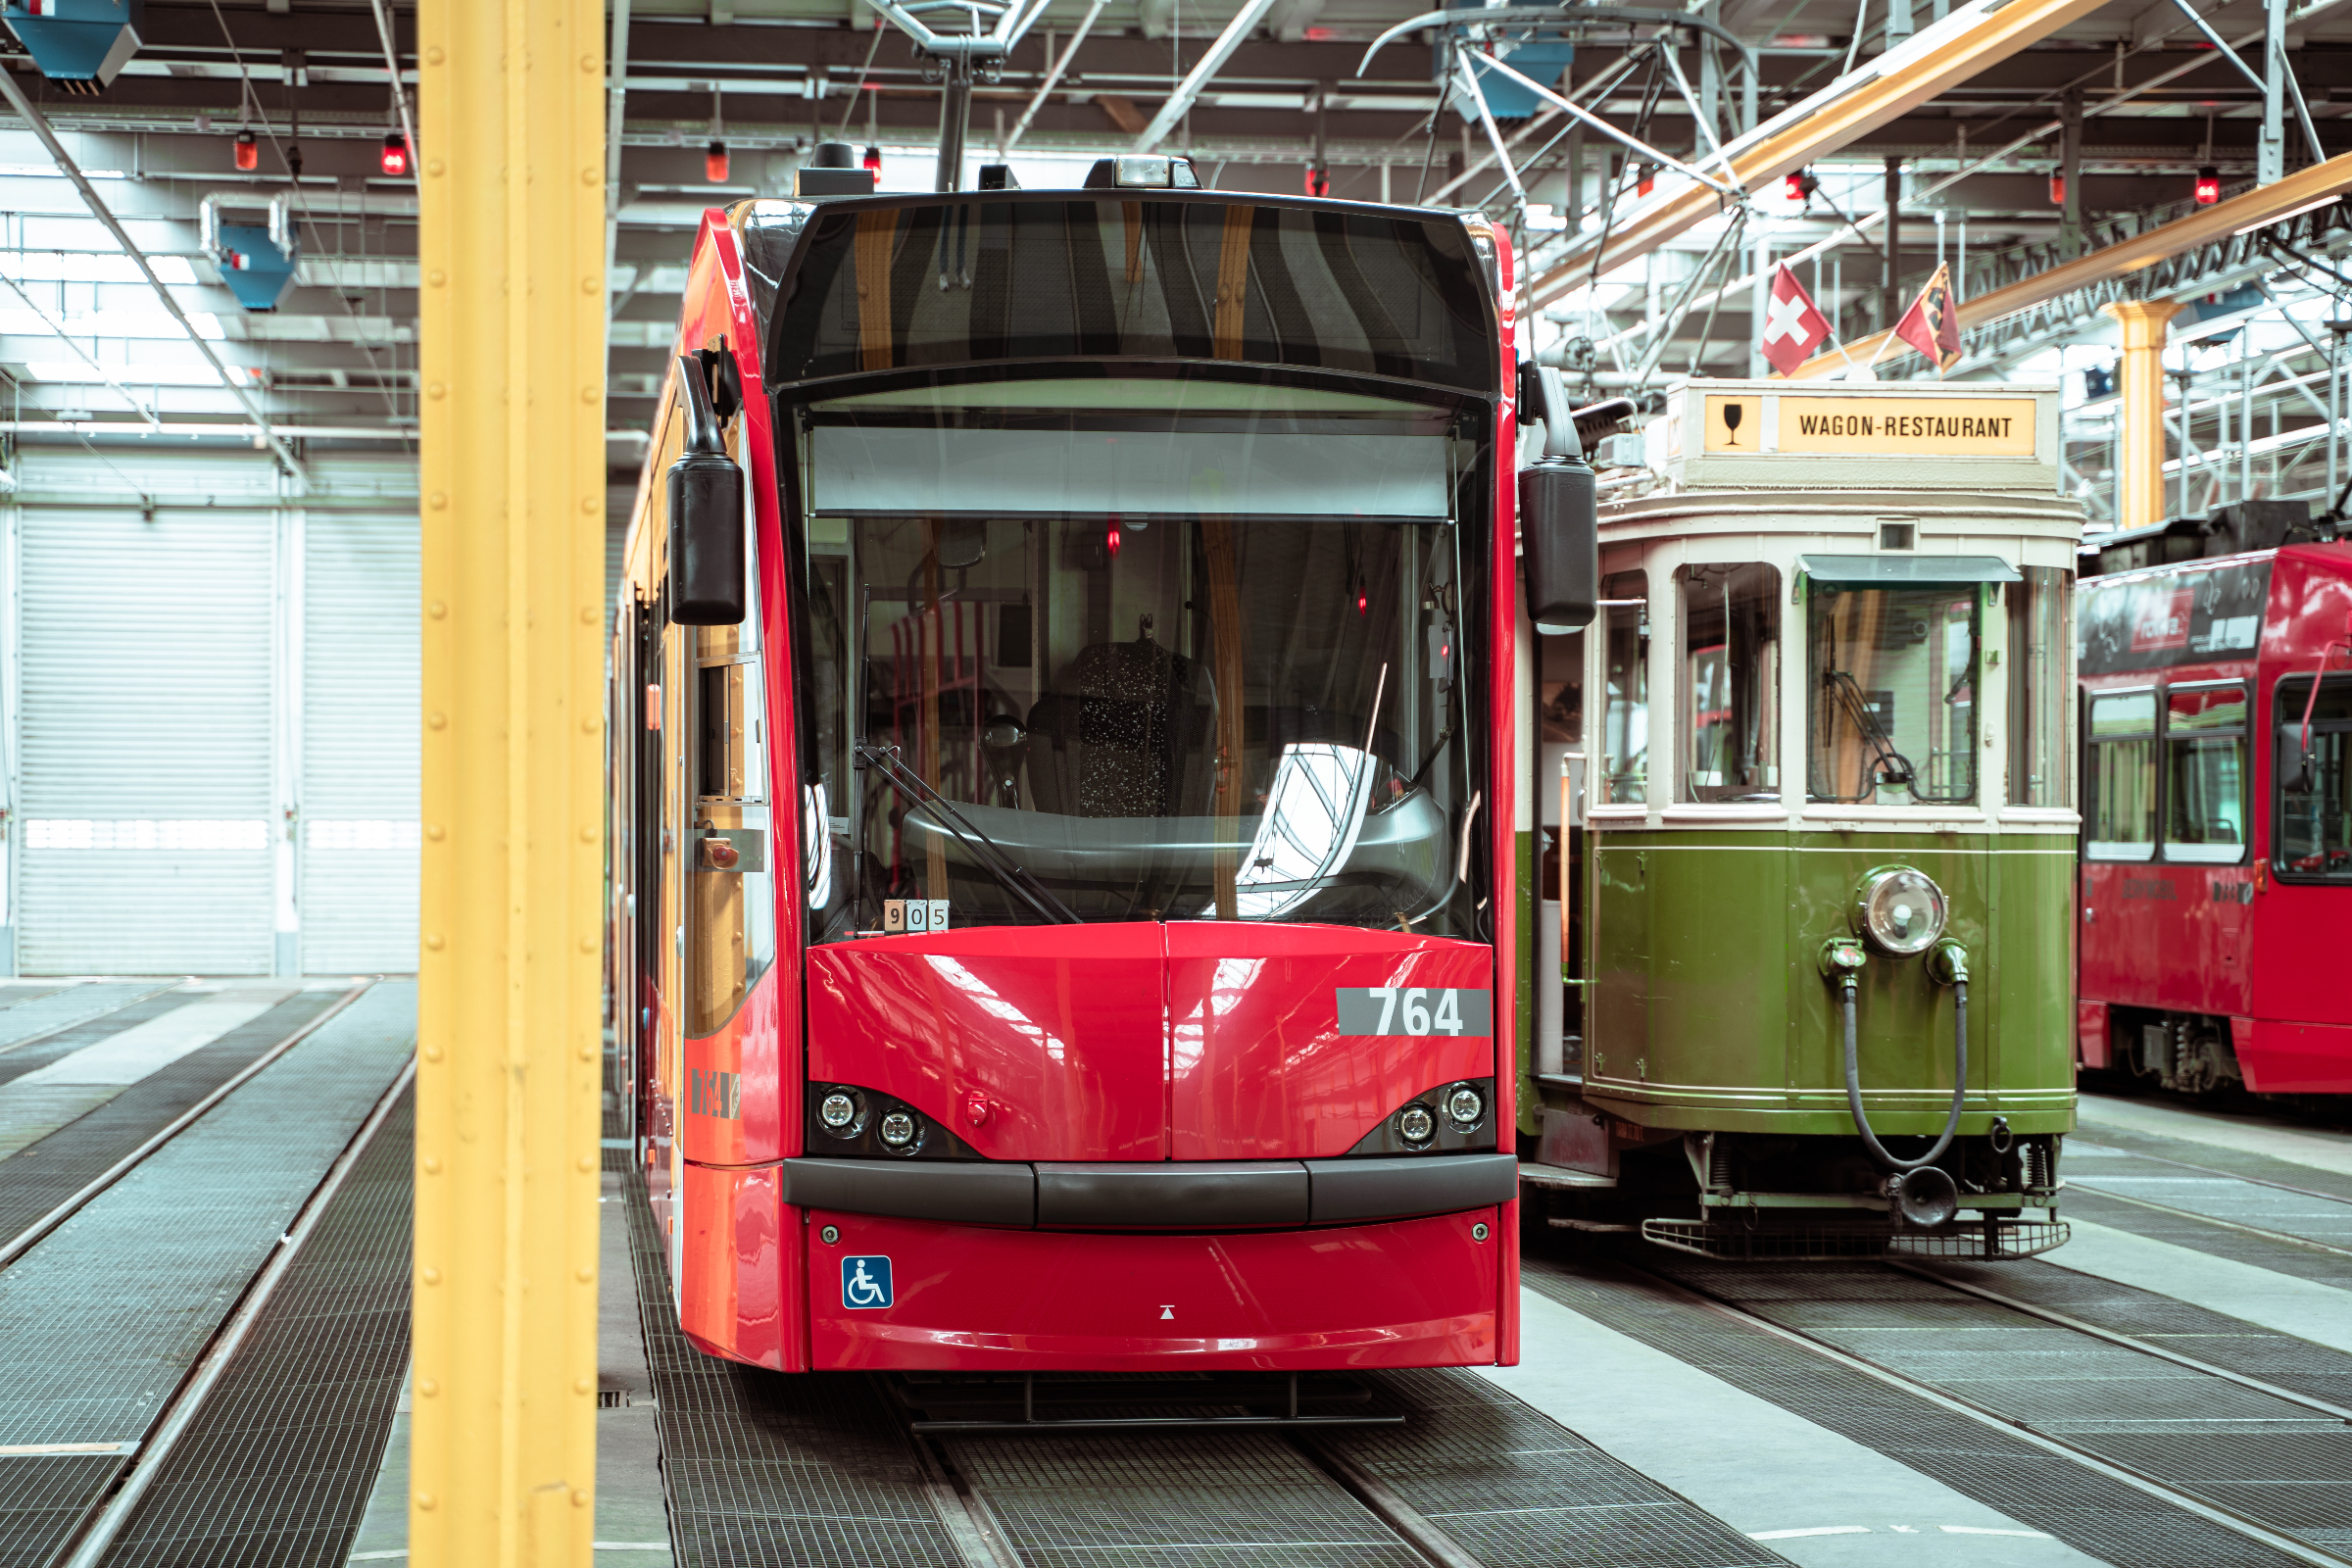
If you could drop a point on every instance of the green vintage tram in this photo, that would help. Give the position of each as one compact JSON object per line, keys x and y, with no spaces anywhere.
{"x":1814,"y":824}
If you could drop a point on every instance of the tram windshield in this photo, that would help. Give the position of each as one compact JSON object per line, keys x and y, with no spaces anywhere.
{"x":1140,"y":649}
{"x":1893,"y":682}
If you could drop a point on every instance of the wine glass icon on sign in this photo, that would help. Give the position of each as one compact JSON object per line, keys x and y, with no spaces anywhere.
{"x":1731,"y":423}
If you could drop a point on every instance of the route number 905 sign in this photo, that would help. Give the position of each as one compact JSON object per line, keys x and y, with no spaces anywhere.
{"x":1414,"y":1011}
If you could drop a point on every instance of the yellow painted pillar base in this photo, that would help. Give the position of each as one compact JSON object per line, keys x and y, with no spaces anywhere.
{"x":2139,"y":467}
{"x":503,"y":1439}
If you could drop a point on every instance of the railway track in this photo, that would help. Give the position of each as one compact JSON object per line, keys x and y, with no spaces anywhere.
{"x":2076,"y":1447}
{"x":112,"y":1478}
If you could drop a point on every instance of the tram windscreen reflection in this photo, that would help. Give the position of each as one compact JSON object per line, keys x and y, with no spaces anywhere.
{"x":1219,"y":716}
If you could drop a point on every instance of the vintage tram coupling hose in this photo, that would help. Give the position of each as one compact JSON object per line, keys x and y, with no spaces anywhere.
{"x":1947,"y":963}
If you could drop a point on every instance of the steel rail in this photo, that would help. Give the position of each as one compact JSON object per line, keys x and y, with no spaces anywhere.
{"x":67,"y":167}
{"x":2215,"y":1219}
{"x":2215,"y":1170}
{"x":1440,"y":1548}
{"x":1985,"y":1415}
{"x":2067,"y":1320}
{"x":103,"y":1012}
{"x":17,"y":1246}
{"x":99,"y":1532}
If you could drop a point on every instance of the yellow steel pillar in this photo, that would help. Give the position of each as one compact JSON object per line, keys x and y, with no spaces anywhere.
{"x":2139,"y":469}
{"x":503,"y":1455}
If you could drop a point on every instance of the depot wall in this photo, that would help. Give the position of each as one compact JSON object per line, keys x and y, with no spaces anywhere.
{"x":210,"y":714}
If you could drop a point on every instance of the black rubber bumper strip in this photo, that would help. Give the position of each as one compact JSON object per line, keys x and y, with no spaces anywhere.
{"x":958,"y":1192}
{"x":1399,"y":1187}
{"x":1192,"y":1195}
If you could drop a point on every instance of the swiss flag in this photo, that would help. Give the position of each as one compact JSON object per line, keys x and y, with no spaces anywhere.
{"x":1793,"y":327}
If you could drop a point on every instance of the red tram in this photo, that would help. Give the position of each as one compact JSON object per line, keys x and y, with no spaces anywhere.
{"x":1061,"y":784}
{"x":2216,"y":667}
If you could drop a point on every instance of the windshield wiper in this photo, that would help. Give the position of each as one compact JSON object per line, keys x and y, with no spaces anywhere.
{"x":990,"y":856}
{"x":1889,"y":765}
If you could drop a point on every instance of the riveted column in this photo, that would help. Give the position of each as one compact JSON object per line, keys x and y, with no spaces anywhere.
{"x":2139,"y":467}
{"x":502,"y":1450}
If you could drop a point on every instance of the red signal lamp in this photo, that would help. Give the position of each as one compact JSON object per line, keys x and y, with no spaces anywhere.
{"x":393,"y":159}
{"x":247,"y":151}
{"x":873,"y":160}
{"x":714,"y":162}
{"x":1799,"y":185}
{"x":1647,"y":180}
{"x":2209,"y":185}
{"x":2057,"y":190}
{"x":1111,"y":541}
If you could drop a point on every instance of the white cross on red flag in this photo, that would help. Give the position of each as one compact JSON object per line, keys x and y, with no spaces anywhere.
{"x":1793,"y":327}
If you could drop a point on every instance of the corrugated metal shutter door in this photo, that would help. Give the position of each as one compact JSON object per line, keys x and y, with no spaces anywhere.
{"x":358,"y":745}
{"x":146,"y":843}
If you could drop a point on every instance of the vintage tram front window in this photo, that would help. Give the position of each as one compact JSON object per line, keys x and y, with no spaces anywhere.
{"x":2040,"y":631}
{"x":1892,"y":687}
{"x":1625,"y":690}
{"x":2122,"y":735}
{"x":2205,"y":774}
{"x":2310,"y":831}
{"x":1731,"y":679}
{"x":1128,"y":650}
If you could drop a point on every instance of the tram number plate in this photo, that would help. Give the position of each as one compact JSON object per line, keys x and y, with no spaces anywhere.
{"x":1414,"y":1011}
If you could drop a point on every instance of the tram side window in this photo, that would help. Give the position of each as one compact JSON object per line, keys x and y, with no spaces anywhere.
{"x":2040,"y":631}
{"x":2123,"y":776}
{"x":1730,"y":732}
{"x":2205,"y":774}
{"x":1892,"y":676}
{"x":1625,"y":690}
{"x":2311,"y":834}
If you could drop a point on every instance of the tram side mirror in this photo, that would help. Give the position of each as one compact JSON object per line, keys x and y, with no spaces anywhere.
{"x":2292,"y":761}
{"x":705,"y":515}
{"x":1559,"y":543}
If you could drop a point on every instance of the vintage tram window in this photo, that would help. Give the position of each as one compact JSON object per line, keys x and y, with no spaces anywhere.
{"x":1254,"y":702}
{"x":1625,"y":690}
{"x":2040,"y":635}
{"x":1891,"y":691}
{"x":2205,"y":774}
{"x":2122,"y":773}
{"x":2310,"y":831}
{"x":1731,"y":679}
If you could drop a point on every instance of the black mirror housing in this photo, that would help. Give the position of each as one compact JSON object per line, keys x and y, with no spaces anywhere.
{"x":707,"y":566}
{"x":1559,"y":544}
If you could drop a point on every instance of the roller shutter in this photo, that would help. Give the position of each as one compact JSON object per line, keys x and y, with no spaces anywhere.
{"x":146,"y":843}
{"x":358,"y":893}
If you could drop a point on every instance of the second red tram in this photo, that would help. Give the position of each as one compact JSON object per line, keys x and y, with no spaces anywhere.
{"x":1064,"y":909}
{"x":2217,"y":840}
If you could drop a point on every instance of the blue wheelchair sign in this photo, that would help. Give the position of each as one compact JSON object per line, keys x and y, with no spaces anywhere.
{"x":865,"y":1281}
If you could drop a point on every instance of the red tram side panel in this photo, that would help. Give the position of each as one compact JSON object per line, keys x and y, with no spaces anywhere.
{"x":2216,"y":875}
{"x":1082,"y":1053}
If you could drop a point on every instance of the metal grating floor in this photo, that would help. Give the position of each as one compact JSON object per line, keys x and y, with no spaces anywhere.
{"x":2097,"y":1168}
{"x":2279,"y":1257}
{"x":1519,"y":1491}
{"x":276,"y":1470}
{"x":38,"y":1177}
{"x":2227,"y":1342}
{"x":153,"y":1264}
{"x":91,"y":1025}
{"x":2103,"y":1518}
{"x":2212,"y":1157}
{"x":765,"y":1469}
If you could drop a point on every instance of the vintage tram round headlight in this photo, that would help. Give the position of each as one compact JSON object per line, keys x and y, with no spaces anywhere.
{"x":1465,"y":1105}
{"x":898,"y":1129}
{"x":1415,"y":1125}
{"x":1901,"y":911}
{"x":838,"y":1110}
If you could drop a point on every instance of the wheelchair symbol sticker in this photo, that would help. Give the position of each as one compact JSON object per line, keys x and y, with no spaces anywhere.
{"x":865,"y":1281}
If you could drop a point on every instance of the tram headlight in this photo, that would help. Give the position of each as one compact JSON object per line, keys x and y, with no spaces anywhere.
{"x":899,"y":1130}
{"x":838,"y":1110}
{"x":1465,"y":1105}
{"x":1901,"y":911}
{"x":1415,"y":1125}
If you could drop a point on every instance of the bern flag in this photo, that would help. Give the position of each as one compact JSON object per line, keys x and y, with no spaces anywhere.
{"x":1932,"y":324}
{"x":1793,"y":327}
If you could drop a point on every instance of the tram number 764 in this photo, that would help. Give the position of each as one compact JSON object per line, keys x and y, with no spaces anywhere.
{"x":1413,"y":1011}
